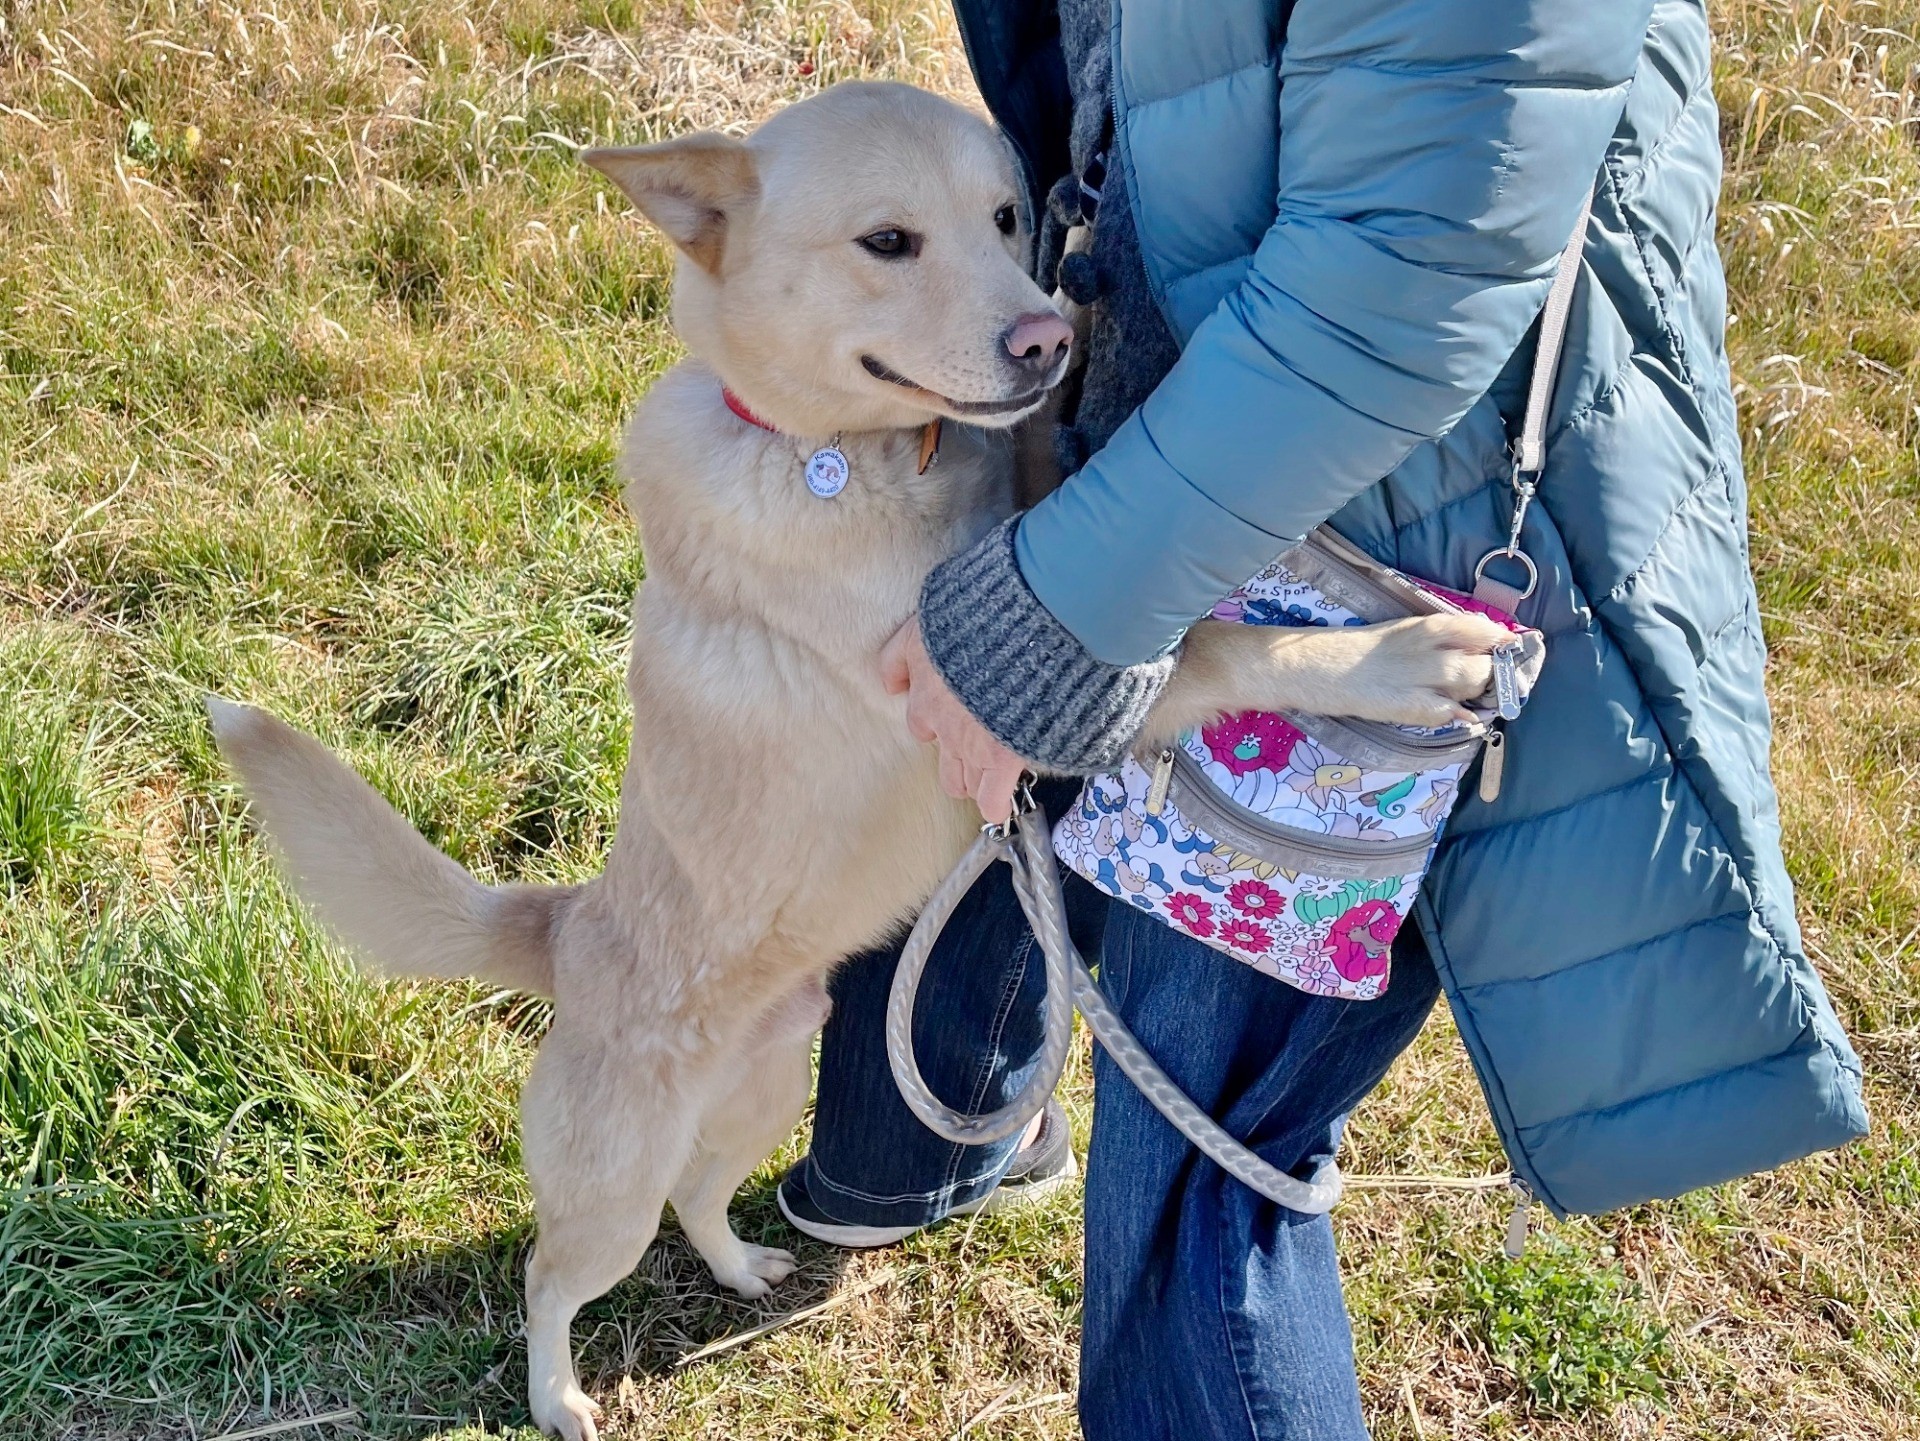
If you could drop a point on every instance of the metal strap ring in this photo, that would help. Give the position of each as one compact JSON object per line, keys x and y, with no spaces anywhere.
{"x":1510,"y":553}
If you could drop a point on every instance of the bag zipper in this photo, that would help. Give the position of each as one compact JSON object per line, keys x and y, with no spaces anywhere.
{"x":1394,"y":597}
{"x":1381,"y":745}
{"x":1506,"y":681}
{"x":1493,"y":765}
{"x":1162,"y":778}
{"x":1342,"y":857}
{"x":1518,"y":1219}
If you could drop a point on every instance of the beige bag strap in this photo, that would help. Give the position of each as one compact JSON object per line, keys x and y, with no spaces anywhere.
{"x":1530,"y":450}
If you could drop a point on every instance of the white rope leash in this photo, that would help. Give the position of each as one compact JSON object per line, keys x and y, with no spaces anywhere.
{"x":1024,"y":845}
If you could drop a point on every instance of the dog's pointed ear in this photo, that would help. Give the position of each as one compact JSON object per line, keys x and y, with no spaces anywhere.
{"x":691,"y":188}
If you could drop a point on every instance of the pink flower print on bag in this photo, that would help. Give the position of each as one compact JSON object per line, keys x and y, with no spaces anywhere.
{"x":1255,"y":740}
{"x":1246,"y":936}
{"x":1362,"y":938}
{"x":1191,"y":913}
{"x":1256,"y":898}
{"x":1313,"y":968}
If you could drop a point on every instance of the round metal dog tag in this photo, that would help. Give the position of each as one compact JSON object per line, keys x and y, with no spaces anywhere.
{"x":826,"y":472}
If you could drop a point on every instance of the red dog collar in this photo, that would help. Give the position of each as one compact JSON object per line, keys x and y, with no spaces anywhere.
{"x":739,"y":408}
{"x":929,"y":437}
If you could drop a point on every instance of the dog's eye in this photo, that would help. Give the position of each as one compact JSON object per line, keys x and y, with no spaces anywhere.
{"x":1006,"y":219}
{"x":889,"y":244}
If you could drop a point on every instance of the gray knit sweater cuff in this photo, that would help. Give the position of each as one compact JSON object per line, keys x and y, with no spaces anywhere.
{"x":1023,"y":674}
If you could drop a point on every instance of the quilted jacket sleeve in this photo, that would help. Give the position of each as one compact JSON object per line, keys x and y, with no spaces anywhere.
{"x":1433,"y":157}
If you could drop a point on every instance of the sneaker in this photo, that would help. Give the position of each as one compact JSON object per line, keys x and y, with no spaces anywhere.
{"x":1041,"y":1167}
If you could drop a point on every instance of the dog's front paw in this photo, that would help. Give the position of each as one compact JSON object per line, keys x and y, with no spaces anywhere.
{"x":760,"y":1270}
{"x":567,"y":1412}
{"x":1421,"y":671}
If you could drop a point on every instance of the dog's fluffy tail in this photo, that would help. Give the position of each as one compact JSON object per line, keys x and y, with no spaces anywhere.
{"x":405,"y":907}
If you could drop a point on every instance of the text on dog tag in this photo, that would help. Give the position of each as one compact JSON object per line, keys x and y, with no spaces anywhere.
{"x":826,"y":472}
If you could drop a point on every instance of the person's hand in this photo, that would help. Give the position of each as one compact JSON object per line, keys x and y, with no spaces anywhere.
{"x":972,"y":762}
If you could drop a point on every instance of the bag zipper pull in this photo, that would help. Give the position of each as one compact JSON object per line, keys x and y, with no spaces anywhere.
{"x":1493,"y":765}
{"x":1506,"y":681}
{"x":1162,"y":779}
{"x":1517,"y":1219}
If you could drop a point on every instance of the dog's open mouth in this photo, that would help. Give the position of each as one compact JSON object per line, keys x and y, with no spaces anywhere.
{"x":963,"y":407}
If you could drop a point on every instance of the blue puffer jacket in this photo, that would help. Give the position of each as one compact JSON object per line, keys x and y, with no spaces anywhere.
{"x":1349,"y":212}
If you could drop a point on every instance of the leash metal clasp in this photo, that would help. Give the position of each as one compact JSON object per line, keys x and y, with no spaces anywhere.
{"x":1024,"y":803}
{"x":1525,"y":485}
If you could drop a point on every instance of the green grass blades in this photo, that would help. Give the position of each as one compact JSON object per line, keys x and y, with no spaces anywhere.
{"x":1569,"y":1327}
{"x":234,"y":1150}
{"x":46,"y":795}
{"x":315,"y":346}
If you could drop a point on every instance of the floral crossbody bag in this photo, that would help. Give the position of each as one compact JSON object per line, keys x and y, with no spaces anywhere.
{"x":1294,"y":842}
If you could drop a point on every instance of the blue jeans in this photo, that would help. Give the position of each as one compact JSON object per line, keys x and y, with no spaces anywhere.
{"x":1209,"y":1311}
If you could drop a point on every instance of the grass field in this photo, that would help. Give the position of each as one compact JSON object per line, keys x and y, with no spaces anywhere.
{"x":314,"y":344}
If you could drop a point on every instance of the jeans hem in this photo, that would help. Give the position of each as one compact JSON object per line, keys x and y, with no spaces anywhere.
{"x":854,"y":1207}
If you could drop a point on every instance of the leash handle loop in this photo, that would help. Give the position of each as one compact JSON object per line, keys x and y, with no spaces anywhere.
{"x":1024,"y":845}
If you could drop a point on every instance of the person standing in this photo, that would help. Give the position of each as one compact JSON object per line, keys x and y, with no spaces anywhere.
{"x":1322,"y":232}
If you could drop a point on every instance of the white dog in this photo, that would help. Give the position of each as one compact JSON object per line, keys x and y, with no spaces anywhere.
{"x":849,"y":274}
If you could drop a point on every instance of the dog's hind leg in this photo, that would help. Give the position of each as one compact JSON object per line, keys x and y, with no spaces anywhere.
{"x":603,"y":1139}
{"x":739,"y":1131}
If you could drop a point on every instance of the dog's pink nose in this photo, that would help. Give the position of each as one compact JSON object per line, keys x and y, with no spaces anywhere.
{"x":1036,"y":342}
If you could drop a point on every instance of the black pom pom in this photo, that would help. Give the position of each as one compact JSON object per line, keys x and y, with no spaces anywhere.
{"x":1079,"y":278}
{"x":1063,"y":201}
